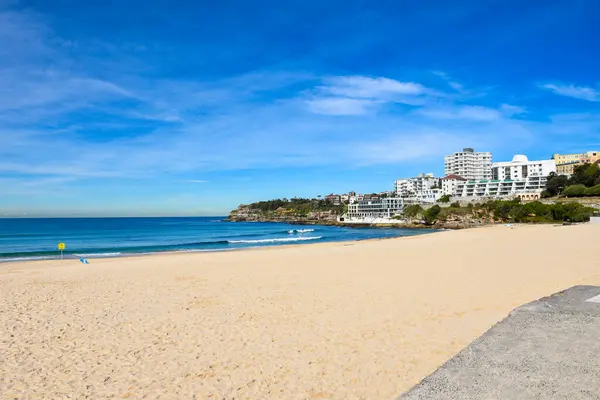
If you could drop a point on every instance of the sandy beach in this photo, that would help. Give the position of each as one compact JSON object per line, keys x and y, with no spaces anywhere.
{"x":360,"y":320}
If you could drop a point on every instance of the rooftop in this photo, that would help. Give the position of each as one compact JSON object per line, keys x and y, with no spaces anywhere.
{"x":453,"y":176}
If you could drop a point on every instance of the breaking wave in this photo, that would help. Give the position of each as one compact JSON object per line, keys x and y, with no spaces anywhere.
{"x":276,"y":240}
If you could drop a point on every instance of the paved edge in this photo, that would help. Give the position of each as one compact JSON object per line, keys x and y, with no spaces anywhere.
{"x":568,"y":301}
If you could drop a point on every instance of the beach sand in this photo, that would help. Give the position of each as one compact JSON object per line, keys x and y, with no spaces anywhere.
{"x":361,"y":320}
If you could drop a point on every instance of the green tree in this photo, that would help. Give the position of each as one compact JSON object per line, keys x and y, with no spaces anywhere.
{"x":585,"y":174}
{"x":555,"y":184}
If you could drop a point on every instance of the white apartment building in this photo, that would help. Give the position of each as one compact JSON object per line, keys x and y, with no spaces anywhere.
{"x":450,"y":183}
{"x":412,"y":187}
{"x":520,"y":168}
{"x":511,"y":179}
{"x":426,"y":196}
{"x":500,"y":188}
{"x":380,"y":208}
{"x":469,"y":164}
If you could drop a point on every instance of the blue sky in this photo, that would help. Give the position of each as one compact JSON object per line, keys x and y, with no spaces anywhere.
{"x":190,"y":108}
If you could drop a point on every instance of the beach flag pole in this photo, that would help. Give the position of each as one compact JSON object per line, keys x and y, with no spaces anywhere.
{"x":61,"y":247}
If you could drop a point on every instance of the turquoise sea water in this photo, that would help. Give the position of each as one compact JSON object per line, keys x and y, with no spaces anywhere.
{"x":37,"y":238}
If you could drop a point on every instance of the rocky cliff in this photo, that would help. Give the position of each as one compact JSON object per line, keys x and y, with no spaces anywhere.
{"x":245,"y":213}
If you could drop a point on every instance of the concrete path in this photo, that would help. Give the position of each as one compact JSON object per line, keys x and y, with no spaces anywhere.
{"x":548,"y":349}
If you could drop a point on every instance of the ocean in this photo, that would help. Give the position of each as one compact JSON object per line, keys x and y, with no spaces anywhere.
{"x":38,"y":238}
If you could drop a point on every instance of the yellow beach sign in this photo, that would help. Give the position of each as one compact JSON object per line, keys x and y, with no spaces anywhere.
{"x":61,"y":247}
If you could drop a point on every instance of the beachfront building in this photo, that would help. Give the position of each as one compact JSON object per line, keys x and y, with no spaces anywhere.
{"x":566,"y":163}
{"x":521,"y":168}
{"x":379,"y":208}
{"x":469,"y":164}
{"x":412,"y":186}
{"x":422,"y":189}
{"x":425,"y":196}
{"x":517,"y":178}
{"x":450,"y":184}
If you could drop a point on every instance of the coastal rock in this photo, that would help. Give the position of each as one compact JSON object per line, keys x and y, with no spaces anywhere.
{"x":246,"y":214}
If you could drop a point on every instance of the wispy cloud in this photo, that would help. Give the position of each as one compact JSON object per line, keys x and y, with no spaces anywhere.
{"x":357,"y":95}
{"x":577,"y":92}
{"x":370,"y":87}
{"x":340,"y":106}
{"x":459,"y":87}
{"x":197,"y":181}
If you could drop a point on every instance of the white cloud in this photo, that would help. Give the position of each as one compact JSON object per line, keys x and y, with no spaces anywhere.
{"x":577,"y":92}
{"x":357,"y":95}
{"x":370,"y":88}
{"x":340,"y":106}
{"x":197,"y":181}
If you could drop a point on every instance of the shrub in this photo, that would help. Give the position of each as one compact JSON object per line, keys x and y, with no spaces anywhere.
{"x":456,"y":204}
{"x":593,"y":191}
{"x":459,"y":211}
{"x":574,"y":191}
{"x":431,"y":213}
{"x":573,"y":212}
{"x":536,"y":208}
{"x":412,"y":211}
{"x":444,"y":199}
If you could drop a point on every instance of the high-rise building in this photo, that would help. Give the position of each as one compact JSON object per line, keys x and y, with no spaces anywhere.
{"x":469,"y":164}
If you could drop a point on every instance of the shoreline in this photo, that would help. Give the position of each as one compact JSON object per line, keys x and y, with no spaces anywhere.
{"x":89,"y":256}
{"x":268,"y":247}
{"x":210,"y":251}
{"x":273,"y":246}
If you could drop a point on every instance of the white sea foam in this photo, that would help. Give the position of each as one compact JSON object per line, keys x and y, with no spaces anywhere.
{"x":98,"y":255}
{"x":32,"y":258}
{"x":300,"y":231}
{"x":276,"y":240}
